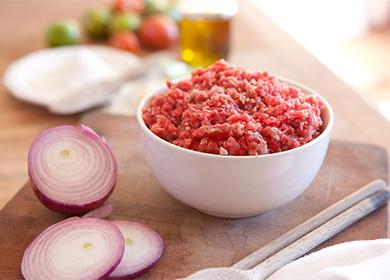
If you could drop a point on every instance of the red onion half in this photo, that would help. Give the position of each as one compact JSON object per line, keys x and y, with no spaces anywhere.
{"x":72,"y":169}
{"x":143,"y":248}
{"x":76,"y":248}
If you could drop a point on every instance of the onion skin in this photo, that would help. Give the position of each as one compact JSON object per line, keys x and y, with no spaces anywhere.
{"x":134,"y":275}
{"x":69,"y":208}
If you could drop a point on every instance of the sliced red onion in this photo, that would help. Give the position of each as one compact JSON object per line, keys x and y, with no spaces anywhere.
{"x":72,"y":169}
{"x":76,"y":248}
{"x":143,"y":248}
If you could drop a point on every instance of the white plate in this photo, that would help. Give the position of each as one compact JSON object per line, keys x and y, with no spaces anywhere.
{"x":20,"y":73}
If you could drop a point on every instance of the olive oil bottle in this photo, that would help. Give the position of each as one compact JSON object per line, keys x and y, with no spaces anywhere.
{"x":205,"y":30}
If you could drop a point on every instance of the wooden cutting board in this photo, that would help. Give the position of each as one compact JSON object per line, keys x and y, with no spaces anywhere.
{"x":194,"y":240}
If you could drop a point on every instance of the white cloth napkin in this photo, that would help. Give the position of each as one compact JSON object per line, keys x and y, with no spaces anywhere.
{"x":125,"y":102}
{"x":357,"y":260}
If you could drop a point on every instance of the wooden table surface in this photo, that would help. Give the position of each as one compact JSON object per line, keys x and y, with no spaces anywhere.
{"x":257,"y":43}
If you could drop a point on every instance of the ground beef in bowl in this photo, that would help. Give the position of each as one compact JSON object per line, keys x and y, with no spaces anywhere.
{"x":227,"y":110}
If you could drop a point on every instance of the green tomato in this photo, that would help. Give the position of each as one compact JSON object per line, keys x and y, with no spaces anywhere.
{"x":96,"y":23}
{"x":64,"y":32}
{"x":161,"y":7}
{"x":154,"y":7}
{"x":125,"y":22}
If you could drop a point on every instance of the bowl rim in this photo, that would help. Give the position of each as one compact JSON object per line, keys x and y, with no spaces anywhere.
{"x":305,"y":89}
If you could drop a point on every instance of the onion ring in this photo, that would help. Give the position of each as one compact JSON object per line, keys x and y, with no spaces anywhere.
{"x":72,"y":169}
{"x":76,"y":248}
{"x":143,"y":248}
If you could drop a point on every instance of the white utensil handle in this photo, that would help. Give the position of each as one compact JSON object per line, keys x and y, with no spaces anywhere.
{"x":289,"y":237}
{"x":321,"y":234}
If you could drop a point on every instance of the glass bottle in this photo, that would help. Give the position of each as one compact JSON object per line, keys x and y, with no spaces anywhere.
{"x":205,"y":30}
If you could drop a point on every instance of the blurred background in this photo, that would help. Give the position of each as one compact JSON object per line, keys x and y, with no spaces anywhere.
{"x":351,"y":37}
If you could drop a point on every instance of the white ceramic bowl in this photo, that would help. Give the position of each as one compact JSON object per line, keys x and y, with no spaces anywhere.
{"x":235,"y":186}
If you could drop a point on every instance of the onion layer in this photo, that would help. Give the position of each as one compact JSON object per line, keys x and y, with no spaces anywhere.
{"x":72,"y":169}
{"x":76,"y":248}
{"x":143,"y":248}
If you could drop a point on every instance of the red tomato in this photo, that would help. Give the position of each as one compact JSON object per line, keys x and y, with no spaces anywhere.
{"x":125,"y":40}
{"x":159,"y":32}
{"x":137,"y":6}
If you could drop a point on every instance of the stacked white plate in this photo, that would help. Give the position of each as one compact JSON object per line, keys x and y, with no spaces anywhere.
{"x":46,"y":76}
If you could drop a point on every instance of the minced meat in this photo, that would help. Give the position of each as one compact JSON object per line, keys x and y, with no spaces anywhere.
{"x":227,"y":110}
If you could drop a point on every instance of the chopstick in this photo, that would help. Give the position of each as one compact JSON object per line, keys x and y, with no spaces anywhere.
{"x":321,"y":234}
{"x":311,"y":224}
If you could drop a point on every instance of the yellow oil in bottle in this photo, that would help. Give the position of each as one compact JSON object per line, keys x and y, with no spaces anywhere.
{"x":204,"y":38}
